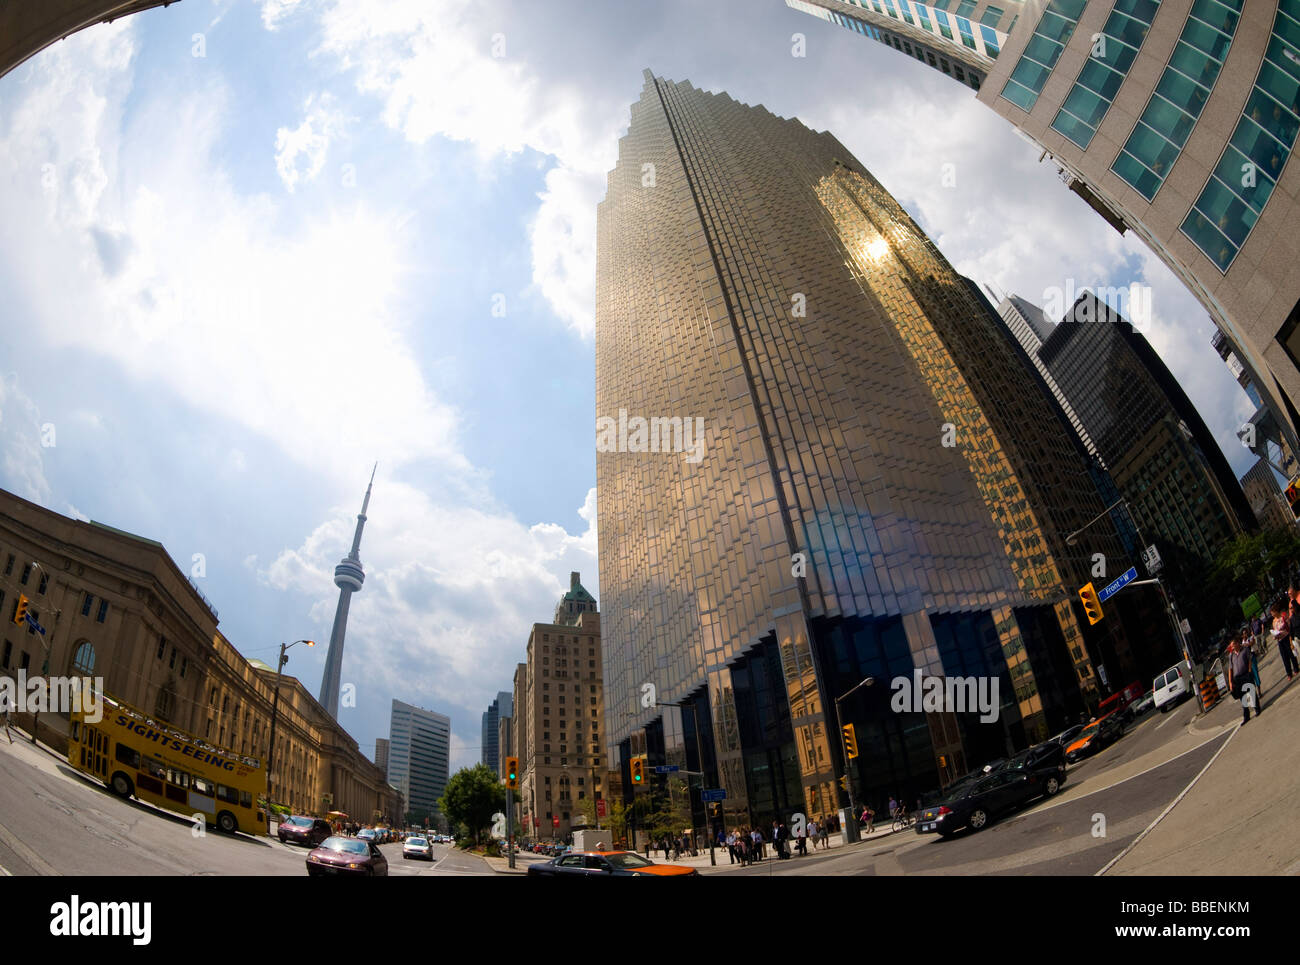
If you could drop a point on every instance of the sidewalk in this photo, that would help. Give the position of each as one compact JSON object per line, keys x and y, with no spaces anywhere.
{"x":1239,"y":817}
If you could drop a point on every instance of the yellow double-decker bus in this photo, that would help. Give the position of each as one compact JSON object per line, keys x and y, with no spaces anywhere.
{"x":138,"y":756}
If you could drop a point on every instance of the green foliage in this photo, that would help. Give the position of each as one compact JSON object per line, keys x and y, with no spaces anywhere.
{"x":1251,"y":563}
{"x":472,"y":796}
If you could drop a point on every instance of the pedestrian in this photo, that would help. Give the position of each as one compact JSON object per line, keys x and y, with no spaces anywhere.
{"x":731,"y":845}
{"x":802,"y":843}
{"x":742,"y":847}
{"x":893,"y":807}
{"x":1239,"y":675}
{"x":814,"y":832}
{"x":1282,"y":634}
{"x":868,"y":818}
{"x":756,"y":837}
{"x":4,"y":712}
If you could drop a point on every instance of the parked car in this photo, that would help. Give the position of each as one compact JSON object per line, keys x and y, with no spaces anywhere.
{"x":976,"y":803}
{"x":1095,"y":737}
{"x":1140,"y":707}
{"x":301,"y":829}
{"x":1045,"y":763}
{"x":1066,"y":737}
{"x":597,"y":864}
{"x":344,"y":856}
{"x":1172,"y":686}
{"x":417,"y":847}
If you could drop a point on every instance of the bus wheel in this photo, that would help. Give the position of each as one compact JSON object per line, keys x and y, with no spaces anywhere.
{"x":226,"y":823}
{"x":121,"y":785}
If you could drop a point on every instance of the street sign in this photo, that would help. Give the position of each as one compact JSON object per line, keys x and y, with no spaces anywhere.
{"x":1251,"y":605}
{"x":31,"y":622}
{"x":713,"y":794}
{"x":665,"y":768}
{"x":1127,"y":577}
{"x":1151,"y":557}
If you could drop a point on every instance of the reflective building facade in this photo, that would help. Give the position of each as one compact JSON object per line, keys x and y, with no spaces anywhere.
{"x":885,"y":483}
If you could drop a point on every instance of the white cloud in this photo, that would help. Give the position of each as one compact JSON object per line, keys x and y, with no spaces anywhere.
{"x":309,"y":142}
{"x":437,"y":76}
{"x":275,"y":12}
{"x":20,"y":436}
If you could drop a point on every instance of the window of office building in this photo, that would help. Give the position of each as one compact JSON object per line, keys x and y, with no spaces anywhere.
{"x":1054,"y":30}
{"x":1234,"y":196}
{"x":1113,"y":53}
{"x":1161,"y":132}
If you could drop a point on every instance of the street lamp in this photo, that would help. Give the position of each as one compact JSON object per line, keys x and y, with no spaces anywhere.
{"x":1171,"y":608}
{"x":45,"y":668}
{"x":699,"y":744}
{"x":844,"y":748}
{"x":275,"y":706}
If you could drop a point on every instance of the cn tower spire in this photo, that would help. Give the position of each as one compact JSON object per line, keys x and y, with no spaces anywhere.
{"x":348,"y":577}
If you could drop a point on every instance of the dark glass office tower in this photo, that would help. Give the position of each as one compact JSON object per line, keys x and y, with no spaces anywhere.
{"x":882,"y":483}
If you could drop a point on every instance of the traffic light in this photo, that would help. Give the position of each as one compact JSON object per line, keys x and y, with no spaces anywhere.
{"x":844,"y":783}
{"x":512,"y":773}
{"x":1091,"y":605}
{"x":850,"y":741}
{"x":1293,"y":496}
{"x":638,"y":771}
{"x":20,"y":611}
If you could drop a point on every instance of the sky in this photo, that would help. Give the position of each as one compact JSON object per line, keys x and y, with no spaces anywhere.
{"x":250,"y":248}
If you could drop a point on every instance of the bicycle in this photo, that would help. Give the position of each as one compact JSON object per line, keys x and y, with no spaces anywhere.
{"x":903,"y":821}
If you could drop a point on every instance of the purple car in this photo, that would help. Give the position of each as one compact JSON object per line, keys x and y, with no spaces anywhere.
{"x":304,"y":830}
{"x":345,"y":856}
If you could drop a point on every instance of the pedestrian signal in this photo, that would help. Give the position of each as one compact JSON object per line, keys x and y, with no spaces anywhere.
{"x":1091,"y":605}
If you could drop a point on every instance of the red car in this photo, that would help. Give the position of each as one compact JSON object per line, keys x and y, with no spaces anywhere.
{"x":300,"y":829}
{"x":347,"y":857}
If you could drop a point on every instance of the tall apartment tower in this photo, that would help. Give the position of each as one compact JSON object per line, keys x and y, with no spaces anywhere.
{"x":1266,"y":497}
{"x":419,"y":757}
{"x":877,"y":481}
{"x":490,"y":739}
{"x":1173,"y":118}
{"x":381,"y":754}
{"x":559,"y":716}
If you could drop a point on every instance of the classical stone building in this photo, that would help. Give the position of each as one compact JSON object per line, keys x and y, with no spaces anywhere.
{"x":116,"y":606}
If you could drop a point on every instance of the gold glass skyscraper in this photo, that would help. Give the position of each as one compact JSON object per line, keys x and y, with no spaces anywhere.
{"x":878,"y":482}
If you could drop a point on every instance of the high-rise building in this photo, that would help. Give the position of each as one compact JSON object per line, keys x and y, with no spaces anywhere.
{"x":1175,"y":119}
{"x":1155,"y":445}
{"x":559,"y":708}
{"x":490,"y":747}
{"x":381,"y":754}
{"x":348,"y":577}
{"x":419,"y":757}
{"x":29,"y":26}
{"x":869,"y":478}
{"x":1266,"y":497}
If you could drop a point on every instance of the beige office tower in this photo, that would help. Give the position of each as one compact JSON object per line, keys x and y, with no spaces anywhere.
{"x":820,"y":457}
{"x":1174,"y":119}
{"x":559,"y":708}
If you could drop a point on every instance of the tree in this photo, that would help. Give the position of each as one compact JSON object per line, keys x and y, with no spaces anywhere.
{"x":472,"y":796}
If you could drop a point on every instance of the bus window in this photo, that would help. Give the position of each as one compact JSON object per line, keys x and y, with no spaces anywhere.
{"x":155,"y":769}
{"x":179,"y":778}
{"x":203,"y":787}
{"x":246,"y":799}
{"x":128,"y":756}
{"x":227,"y":794}
{"x":76,"y":732}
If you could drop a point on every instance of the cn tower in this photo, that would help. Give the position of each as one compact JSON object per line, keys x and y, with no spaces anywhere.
{"x":348,"y":577}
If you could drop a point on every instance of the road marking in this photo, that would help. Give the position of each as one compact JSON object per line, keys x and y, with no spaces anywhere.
{"x":5,"y":871}
{"x":1173,"y":804}
{"x":26,"y":854}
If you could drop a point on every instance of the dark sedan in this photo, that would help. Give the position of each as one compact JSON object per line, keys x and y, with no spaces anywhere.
{"x":304,"y":830}
{"x":349,"y":857}
{"x":1045,"y":763}
{"x":975,"y":804}
{"x":603,"y":864}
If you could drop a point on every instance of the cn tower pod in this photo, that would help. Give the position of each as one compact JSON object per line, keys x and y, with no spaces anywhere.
{"x":349,"y":575}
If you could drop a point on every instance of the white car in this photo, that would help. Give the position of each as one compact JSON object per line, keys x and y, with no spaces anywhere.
{"x":417,"y":846}
{"x":1172,"y":686}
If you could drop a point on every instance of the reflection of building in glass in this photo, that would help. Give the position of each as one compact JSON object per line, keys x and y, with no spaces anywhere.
{"x":1160,"y":453}
{"x":1174,"y":119}
{"x":1266,"y":497}
{"x":887,"y":483}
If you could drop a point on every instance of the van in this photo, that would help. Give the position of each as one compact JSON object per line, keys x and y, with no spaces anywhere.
{"x":1173,"y":685}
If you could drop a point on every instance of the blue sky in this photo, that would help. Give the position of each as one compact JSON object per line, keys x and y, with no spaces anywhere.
{"x":252,"y":246}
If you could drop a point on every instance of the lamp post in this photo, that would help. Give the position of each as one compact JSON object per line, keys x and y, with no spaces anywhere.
{"x":275,"y":706}
{"x":844,"y":748}
{"x":699,"y":743}
{"x":1171,"y":608}
{"x":45,"y":667}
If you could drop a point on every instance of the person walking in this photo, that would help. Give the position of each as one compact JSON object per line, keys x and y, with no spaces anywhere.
{"x":756,"y":836}
{"x":1282,"y":634}
{"x":814,"y":832}
{"x":802,"y":843}
{"x":4,"y":712}
{"x":893,"y":807}
{"x":1239,"y":675}
{"x":868,"y":818}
